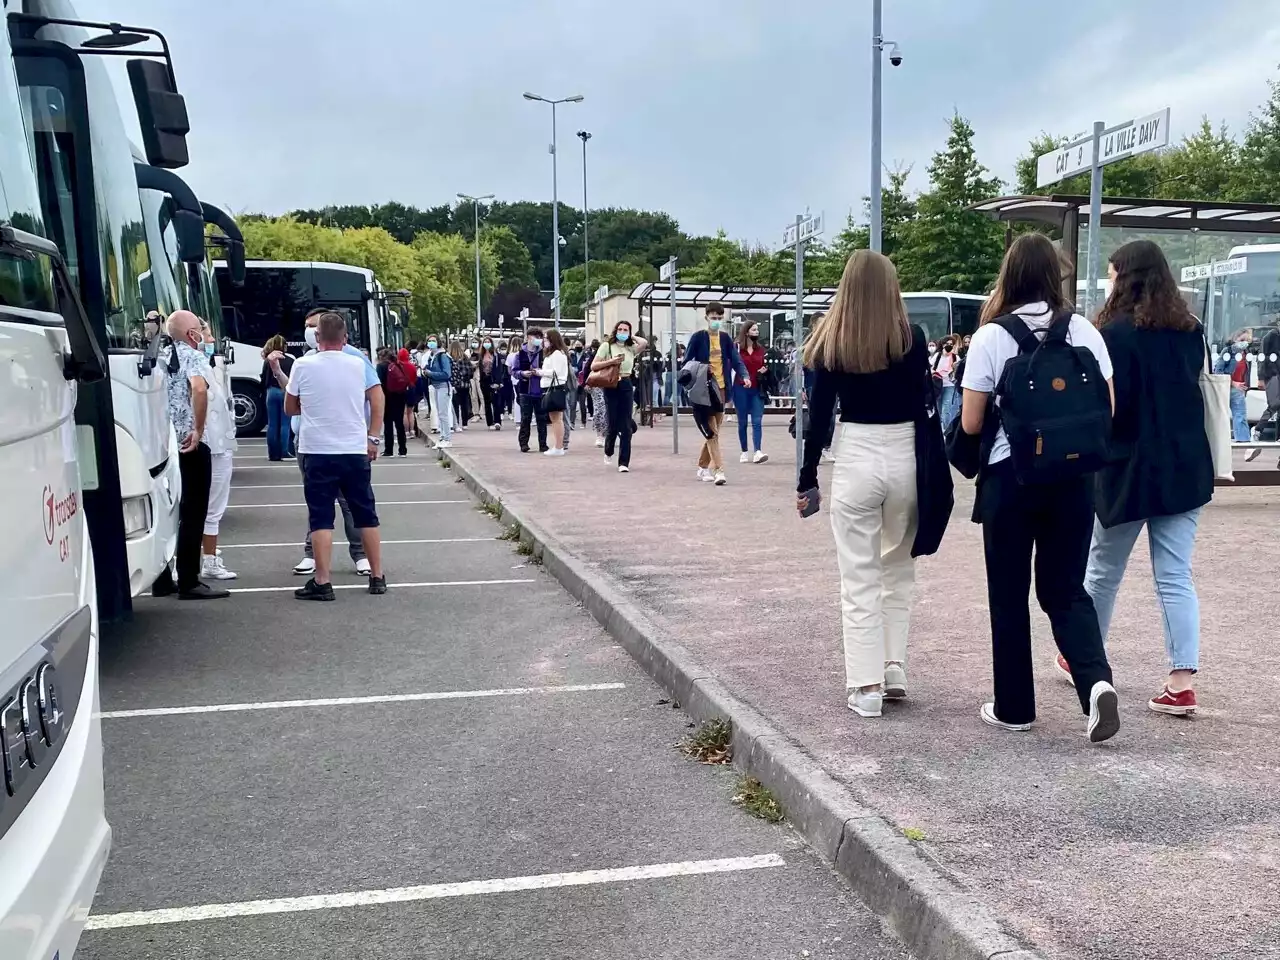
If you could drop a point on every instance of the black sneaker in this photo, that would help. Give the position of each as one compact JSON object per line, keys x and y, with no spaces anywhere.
{"x":164,"y":585}
{"x":524,"y":449}
{"x":377,"y":585}
{"x":315,"y":591}
{"x":202,"y":591}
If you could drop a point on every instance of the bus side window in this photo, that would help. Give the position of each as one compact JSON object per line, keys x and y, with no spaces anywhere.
{"x":964,"y":317}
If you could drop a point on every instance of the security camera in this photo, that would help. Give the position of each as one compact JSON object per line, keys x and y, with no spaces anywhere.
{"x":564,"y":242}
{"x":895,"y":55}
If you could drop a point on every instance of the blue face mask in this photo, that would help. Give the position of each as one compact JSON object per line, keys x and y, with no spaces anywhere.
{"x":623,"y":336}
{"x":209,"y":349}
{"x":431,"y":344}
{"x":714,"y":324}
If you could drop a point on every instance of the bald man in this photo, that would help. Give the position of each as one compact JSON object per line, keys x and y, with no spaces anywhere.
{"x":189,"y":377}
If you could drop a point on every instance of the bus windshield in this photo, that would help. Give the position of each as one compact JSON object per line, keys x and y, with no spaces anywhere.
{"x":276,"y":300}
{"x":933,"y":314}
{"x":1250,"y":299}
{"x":23,"y":283}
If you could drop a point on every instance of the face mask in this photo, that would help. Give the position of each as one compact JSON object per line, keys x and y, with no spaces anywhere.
{"x":753,"y":337}
{"x":488,"y":345}
{"x":310,"y":336}
{"x":475,"y":346}
{"x":531,"y":345}
{"x":209,"y":349}
{"x":714,"y":324}
{"x":431,"y":345}
{"x":623,"y":336}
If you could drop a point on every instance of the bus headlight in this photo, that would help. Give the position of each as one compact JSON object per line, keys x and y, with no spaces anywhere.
{"x":137,"y":516}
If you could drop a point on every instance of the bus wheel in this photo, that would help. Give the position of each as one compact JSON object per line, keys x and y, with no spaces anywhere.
{"x":250,"y":410}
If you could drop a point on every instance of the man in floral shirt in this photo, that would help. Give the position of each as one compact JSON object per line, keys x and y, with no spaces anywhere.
{"x":189,"y":376}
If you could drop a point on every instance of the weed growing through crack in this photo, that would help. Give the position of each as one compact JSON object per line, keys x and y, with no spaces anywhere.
{"x":524,"y":547}
{"x":493,"y":508}
{"x":758,"y":800}
{"x":913,"y":833}
{"x":511,"y":533}
{"x":445,"y":464}
{"x":711,"y":743}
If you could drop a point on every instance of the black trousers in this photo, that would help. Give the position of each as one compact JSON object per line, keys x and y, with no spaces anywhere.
{"x":196,"y":468}
{"x":492,"y":404}
{"x":461,"y":406}
{"x":1057,"y":521}
{"x":393,"y":422}
{"x":531,"y":410}
{"x":618,"y":404}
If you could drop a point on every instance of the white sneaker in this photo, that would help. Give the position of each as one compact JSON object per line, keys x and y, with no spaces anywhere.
{"x":866,"y":704}
{"x":306,"y":566}
{"x":211,"y":568}
{"x":988,"y":714}
{"x":895,"y":681}
{"x":720,"y":478}
{"x":624,"y":469}
{"x":745,"y":458}
{"x":1104,"y":712}
{"x":443,"y":444}
{"x":599,"y":441}
{"x":828,"y":457}
{"x":363,"y":567}
{"x":705,"y":475}
{"x":608,"y":460}
{"x":760,"y":457}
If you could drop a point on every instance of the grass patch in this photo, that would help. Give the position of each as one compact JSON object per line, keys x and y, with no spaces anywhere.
{"x":913,"y":833}
{"x":445,"y":464}
{"x":710,"y":743}
{"x":524,"y":547}
{"x":758,"y":800}
{"x":511,"y":533}
{"x":492,"y":507}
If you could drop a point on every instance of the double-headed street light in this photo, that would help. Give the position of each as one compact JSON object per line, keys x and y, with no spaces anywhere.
{"x":584,"y":136}
{"x":555,"y":195}
{"x":475,"y":208}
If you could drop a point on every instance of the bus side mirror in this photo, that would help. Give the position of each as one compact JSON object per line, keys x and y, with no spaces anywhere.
{"x":162,"y":114}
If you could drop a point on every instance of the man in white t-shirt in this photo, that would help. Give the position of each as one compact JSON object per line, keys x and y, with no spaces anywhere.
{"x":328,"y":391}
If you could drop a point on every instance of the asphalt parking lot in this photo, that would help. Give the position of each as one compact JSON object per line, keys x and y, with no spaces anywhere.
{"x":465,"y":767}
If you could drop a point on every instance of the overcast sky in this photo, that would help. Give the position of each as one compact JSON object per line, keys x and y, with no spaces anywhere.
{"x":730,"y":114}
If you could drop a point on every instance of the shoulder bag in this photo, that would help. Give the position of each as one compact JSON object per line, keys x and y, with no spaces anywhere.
{"x":608,"y":377}
{"x":1215,"y":388}
{"x":935,"y":492}
{"x":555,"y":398}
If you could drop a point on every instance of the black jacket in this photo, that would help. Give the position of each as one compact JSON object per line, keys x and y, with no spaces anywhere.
{"x":1160,"y":459}
{"x":1269,"y":368}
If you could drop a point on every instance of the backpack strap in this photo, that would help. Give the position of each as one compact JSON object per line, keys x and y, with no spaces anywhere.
{"x":1017,"y":328}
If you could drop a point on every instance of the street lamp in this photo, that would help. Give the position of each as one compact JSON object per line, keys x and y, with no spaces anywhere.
{"x":584,"y":136}
{"x":555,"y":196}
{"x":475,"y":208}
{"x":878,"y":47}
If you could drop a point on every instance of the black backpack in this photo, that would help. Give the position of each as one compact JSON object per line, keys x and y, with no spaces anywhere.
{"x":1054,"y":404}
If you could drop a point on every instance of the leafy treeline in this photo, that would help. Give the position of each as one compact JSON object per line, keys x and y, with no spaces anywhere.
{"x":935,"y":242}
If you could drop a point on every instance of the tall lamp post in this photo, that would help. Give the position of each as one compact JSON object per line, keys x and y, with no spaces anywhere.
{"x":878,"y":46}
{"x":584,"y":136}
{"x":555,"y":195}
{"x":475,"y":209}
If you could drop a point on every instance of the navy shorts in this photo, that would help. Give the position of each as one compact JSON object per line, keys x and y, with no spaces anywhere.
{"x":325,"y":475}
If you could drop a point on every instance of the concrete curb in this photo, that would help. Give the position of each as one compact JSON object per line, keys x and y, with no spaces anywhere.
{"x":933,"y":915}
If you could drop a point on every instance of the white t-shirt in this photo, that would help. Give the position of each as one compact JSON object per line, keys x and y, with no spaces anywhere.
{"x":555,"y":363}
{"x":993,"y":346}
{"x":330,"y":386}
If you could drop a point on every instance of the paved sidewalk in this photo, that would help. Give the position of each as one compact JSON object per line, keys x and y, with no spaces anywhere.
{"x":1164,"y":842}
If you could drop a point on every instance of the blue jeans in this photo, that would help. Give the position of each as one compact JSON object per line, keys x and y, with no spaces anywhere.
{"x":949,"y":405}
{"x":279,"y":433}
{"x":747,"y":402}
{"x":1239,"y":420}
{"x":1171,"y":540}
{"x":444,"y":409}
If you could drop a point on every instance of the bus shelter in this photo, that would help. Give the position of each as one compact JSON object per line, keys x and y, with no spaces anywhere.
{"x":1226,"y":257}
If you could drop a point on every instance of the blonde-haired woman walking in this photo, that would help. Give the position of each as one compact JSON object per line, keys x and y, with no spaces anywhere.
{"x":865,"y":353}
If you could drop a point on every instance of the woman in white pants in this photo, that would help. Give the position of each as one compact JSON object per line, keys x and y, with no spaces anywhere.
{"x":866,"y":354}
{"x":220,"y":435}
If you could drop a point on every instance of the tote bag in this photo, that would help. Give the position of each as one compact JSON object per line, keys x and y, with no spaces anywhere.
{"x":1215,"y":388}
{"x":935,"y":491}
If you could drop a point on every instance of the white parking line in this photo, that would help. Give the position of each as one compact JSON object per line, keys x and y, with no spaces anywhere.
{"x":431,"y":891}
{"x":376,"y":483}
{"x":394,"y":586}
{"x":343,"y":543}
{"x":352,"y":701}
{"x":262,"y":463}
{"x":381,"y":503}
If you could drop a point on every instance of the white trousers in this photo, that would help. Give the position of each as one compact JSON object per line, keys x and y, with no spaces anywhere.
{"x":873,"y":517}
{"x":219,"y":492}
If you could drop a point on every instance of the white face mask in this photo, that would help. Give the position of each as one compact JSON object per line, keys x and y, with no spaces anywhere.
{"x":310,"y":336}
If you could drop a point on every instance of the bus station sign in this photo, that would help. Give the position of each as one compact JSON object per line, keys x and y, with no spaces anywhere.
{"x":1216,"y":268}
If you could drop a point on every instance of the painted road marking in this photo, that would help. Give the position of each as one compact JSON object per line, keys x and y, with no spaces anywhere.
{"x":381,"y":503}
{"x":352,"y":701}
{"x":344,"y":543}
{"x":376,"y":483}
{"x":394,"y":586}
{"x":432,"y":891}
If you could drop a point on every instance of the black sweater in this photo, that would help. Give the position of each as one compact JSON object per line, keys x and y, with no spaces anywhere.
{"x":1160,"y":458}
{"x":895,"y":394}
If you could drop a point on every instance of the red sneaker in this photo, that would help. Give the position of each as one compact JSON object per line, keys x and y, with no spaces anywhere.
{"x":1061,"y":665}
{"x":1178,"y":704}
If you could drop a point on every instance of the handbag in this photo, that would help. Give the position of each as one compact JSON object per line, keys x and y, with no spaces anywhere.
{"x":607,"y":377}
{"x":935,"y":490}
{"x":555,"y":399}
{"x":1215,"y":388}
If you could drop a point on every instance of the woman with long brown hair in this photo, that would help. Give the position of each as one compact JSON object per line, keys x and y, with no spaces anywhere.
{"x":748,"y":401}
{"x":620,"y":350}
{"x":1055,"y":519}
{"x":1161,"y":473}
{"x":553,"y":371}
{"x":275,"y":357}
{"x":866,"y":353}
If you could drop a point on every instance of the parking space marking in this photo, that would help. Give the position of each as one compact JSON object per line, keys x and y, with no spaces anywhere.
{"x":376,"y":483}
{"x":343,"y":543}
{"x":431,"y":891}
{"x":262,"y":463}
{"x":381,"y":503}
{"x":395,"y":586}
{"x":353,"y":701}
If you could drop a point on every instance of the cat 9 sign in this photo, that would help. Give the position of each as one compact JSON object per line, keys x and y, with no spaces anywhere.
{"x":1124,"y":140}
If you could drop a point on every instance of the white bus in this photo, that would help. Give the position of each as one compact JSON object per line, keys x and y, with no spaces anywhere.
{"x":275,"y":298}
{"x":943,"y":313}
{"x":54,"y":835}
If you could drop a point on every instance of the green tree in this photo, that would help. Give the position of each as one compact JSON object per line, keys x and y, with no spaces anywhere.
{"x":1202,"y":167}
{"x":725,"y":262}
{"x":613,"y":274}
{"x":514,"y":265}
{"x":947,"y":246}
{"x":1258,"y":170}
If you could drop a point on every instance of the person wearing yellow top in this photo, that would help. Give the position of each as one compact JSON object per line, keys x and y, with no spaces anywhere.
{"x":715,"y":348}
{"x":619,"y":350}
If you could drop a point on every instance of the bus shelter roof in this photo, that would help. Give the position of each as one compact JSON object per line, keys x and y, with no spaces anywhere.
{"x":733,"y":297}
{"x":1141,"y":214}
